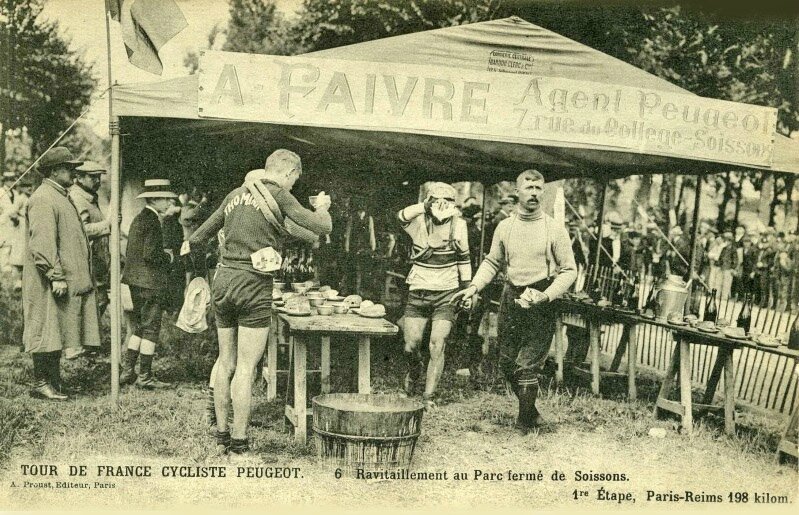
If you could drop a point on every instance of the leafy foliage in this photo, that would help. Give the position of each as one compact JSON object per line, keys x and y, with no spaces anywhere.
{"x":44,"y":84}
{"x":737,"y":61}
{"x":326,"y":24}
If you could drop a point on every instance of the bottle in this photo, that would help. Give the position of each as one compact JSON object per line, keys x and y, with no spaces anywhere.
{"x":695,"y":300}
{"x":635,"y":300}
{"x":711,"y":310}
{"x":619,"y":298}
{"x":289,"y":274}
{"x":595,"y":292}
{"x":793,"y":338}
{"x":745,"y":316}
{"x":651,"y":302}
{"x":311,"y":267}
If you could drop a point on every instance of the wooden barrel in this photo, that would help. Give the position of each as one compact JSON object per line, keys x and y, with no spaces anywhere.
{"x":366,"y":432}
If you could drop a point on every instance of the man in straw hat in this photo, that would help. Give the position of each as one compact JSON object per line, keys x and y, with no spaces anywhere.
{"x":60,"y":308}
{"x":83,"y":194}
{"x":536,"y":255}
{"x":255,"y":218}
{"x":441,"y":266}
{"x":147,"y":267}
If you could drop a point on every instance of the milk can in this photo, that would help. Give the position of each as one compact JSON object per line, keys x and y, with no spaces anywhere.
{"x":671,"y":297}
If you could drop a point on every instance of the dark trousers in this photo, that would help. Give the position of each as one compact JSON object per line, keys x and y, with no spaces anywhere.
{"x":524,"y":335}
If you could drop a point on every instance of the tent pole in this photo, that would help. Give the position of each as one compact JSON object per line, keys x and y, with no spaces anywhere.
{"x":113,"y":129}
{"x":695,"y":228}
{"x":483,"y":226}
{"x":600,"y":222}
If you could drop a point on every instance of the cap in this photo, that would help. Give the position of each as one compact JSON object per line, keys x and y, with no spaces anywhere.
{"x":441,"y":190}
{"x":57,"y":156}
{"x":614,"y":219}
{"x":509,"y":199}
{"x":91,"y":167}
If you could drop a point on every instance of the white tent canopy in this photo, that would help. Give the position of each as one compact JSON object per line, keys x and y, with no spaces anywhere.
{"x":150,"y":111}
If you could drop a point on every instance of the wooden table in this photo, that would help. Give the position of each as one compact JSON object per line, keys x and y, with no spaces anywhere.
{"x":680,"y":365}
{"x":301,"y":330}
{"x":591,"y":317}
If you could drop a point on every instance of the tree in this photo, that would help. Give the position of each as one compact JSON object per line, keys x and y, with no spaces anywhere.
{"x":749,"y":61}
{"x":326,"y":24}
{"x":45,"y":85}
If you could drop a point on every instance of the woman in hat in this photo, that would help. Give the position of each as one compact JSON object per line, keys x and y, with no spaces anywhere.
{"x":147,"y":267}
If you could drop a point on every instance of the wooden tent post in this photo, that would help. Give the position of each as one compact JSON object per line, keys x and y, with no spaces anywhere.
{"x":694,"y":229}
{"x":600,"y":222}
{"x":483,"y":226}
{"x":116,"y":311}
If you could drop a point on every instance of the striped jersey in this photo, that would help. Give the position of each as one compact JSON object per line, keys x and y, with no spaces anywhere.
{"x":448,"y":263}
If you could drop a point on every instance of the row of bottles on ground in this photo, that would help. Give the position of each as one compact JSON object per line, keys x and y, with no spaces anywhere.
{"x":298,"y":266}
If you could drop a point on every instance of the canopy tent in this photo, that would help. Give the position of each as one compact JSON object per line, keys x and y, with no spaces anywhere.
{"x":164,"y":133}
{"x":154,"y":111}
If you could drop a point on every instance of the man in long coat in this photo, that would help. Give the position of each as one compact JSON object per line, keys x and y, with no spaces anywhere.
{"x":59,"y":303}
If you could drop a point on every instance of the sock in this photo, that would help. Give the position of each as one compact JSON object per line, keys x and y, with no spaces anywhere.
{"x":415,"y":364}
{"x":239,"y":446}
{"x":223,"y":438}
{"x":130,"y":358}
{"x":146,"y":365}
{"x":40,"y":369}
{"x":210,"y":407}
{"x":528,"y":391}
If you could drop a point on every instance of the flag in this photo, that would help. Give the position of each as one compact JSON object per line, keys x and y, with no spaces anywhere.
{"x":147,"y":25}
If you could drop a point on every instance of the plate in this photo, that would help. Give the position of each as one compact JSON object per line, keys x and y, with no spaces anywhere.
{"x":738,"y":337}
{"x":675,"y":322}
{"x":705,"y":330}
{"x":649,"y":316}
{"x":358,"y":312}
{"x":294,"y":313}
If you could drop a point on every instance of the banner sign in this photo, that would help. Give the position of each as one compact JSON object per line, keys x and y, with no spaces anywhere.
{"x":475,"y":104}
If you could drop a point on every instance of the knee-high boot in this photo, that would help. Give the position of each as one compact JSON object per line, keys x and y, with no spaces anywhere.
{"x":54,"y":370}
{"x":42,"y":389}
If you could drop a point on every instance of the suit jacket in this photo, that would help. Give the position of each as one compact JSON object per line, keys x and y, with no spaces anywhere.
{"x":146,"y":263}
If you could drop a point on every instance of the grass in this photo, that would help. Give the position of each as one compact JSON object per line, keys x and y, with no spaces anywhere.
{"x":472,"y":429}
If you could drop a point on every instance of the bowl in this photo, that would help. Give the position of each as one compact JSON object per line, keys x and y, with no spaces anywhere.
{"x":340,"y":309}
{"x":314,"y":295}
{"x":317,"y":302}
{"x":330,"y":294}
{"x":325,"y":310}
{"x":278,"y":285}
